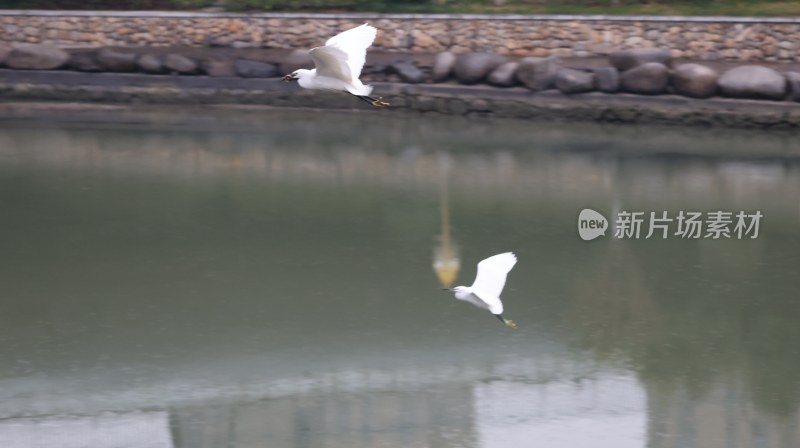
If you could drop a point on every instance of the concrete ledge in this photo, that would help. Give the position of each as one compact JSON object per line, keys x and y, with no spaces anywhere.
{"x":474,"y":101}
{"x":379,"y":16}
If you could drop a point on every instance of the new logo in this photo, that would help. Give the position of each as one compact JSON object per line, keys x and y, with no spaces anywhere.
{"x":591,"y":224}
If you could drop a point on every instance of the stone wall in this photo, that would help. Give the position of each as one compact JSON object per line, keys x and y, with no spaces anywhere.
{"x":700,"y":38}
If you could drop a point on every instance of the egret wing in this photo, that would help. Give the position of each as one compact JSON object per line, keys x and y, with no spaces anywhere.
{"x":492,"y":274}
{"x":492,"y":302}
{"x":331,"y":62}
{"x":354,"y":42}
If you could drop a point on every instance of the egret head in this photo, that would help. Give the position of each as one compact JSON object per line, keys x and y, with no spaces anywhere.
{"x":298,"y":74}
{"x":460,"y":291}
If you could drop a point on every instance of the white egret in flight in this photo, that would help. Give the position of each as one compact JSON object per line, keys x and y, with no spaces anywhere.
{"x":339,"y":63}
{"x":485,"y":291}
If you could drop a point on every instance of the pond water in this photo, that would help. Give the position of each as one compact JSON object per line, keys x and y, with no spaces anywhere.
{"x":221,"y":278}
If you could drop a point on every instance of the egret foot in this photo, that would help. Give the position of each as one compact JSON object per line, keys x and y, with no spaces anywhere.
{"x":508,"y":322}
{"x":379,"y":102}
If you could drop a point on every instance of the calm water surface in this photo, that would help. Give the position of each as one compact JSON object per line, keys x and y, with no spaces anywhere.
{"x":272,"y":279}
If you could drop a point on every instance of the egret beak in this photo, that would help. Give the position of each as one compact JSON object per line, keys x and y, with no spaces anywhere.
{"x":289,"y":77}
{"x":447,"y":289}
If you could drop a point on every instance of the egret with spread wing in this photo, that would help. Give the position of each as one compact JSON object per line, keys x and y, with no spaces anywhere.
{"x":339,"y":63}
{"x":485,"y":291}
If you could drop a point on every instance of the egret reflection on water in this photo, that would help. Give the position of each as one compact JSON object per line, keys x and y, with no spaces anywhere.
{"x":489,"y":282}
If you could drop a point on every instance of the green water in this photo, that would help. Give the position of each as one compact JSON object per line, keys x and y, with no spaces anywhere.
{"x":266,"y":279}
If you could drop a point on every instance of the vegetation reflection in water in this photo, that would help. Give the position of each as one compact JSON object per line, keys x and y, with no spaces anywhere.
{"x":274,"y":281}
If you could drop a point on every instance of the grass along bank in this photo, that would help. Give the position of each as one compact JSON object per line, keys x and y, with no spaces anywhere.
{"x":777,"y":8}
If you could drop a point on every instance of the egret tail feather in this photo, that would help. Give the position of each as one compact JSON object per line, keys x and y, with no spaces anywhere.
{"x":359,"y":89}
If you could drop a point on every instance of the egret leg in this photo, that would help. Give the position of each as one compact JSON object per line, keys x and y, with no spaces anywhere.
{"x":377,"y":102}
{"x":508,"y":322}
